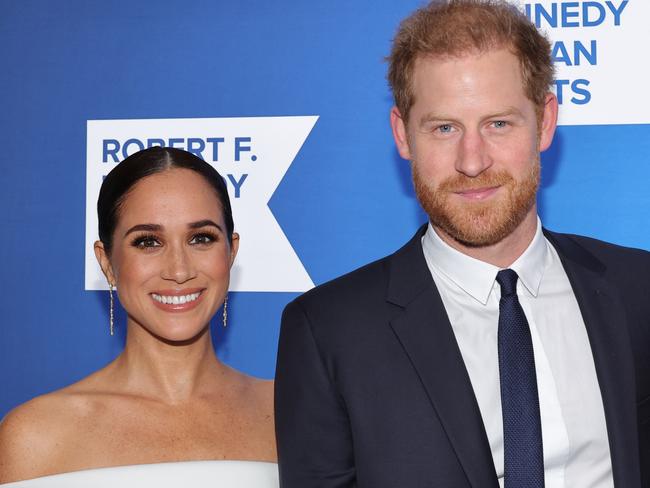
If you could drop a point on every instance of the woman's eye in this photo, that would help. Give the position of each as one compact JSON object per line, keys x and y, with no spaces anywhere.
{"x":146,"y":242}
{"x":203,"y":239}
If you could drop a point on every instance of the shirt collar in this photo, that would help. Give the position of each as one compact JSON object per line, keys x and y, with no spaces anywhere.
{"x":531,"y":264}
{"x":477,"y":277}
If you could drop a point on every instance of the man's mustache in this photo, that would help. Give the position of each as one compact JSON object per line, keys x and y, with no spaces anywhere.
{"x":487,"y":179}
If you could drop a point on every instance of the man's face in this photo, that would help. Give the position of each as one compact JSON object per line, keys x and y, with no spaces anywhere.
{"x":474,"y":138}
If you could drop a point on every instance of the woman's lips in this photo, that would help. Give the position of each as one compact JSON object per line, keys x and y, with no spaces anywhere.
{"x":177,"y":300}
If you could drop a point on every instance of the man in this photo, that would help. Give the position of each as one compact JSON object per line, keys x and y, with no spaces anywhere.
{"x":487,"y":351}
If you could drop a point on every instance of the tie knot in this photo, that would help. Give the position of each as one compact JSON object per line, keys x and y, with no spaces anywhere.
{"x":507,"y":279}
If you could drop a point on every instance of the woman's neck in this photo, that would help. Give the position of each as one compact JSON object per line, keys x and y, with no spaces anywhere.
{"x":169,"y":372}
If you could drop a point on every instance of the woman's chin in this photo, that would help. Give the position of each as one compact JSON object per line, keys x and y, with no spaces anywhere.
{"x":179,"y":335}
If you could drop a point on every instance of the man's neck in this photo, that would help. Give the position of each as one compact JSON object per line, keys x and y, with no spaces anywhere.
{"x":503,"y":253}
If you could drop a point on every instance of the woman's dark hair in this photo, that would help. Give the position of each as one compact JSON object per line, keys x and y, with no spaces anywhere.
{"x":147,"y":162}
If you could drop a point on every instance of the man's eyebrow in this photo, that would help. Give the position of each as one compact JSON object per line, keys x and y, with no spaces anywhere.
{"x":143,"y":227}
{"x":433,"y":117}
{"x":507,"y":112}
{"x":204,"y":223}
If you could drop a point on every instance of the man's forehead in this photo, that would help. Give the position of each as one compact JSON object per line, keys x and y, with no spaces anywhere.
{"x":461,"y":54}
{"x":478,"y":84}
{"x":477,"y":67}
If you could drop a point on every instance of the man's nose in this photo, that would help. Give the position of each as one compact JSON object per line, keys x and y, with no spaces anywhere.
{"x":473,"y":157}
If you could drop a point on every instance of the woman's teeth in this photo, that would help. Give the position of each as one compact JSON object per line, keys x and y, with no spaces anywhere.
{"x":175,"y":299}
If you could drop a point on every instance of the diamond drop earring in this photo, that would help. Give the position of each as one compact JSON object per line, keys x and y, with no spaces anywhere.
{"x":110,"y":294}
{"x":225,"y":311}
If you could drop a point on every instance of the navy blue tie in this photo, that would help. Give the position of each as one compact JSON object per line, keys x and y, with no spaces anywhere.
{"x":522,"y":428}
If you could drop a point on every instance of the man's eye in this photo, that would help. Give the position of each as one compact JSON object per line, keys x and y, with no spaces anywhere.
{"x":203,"y":239}
{"x":445,"y":128}
{"x":500,"y":124}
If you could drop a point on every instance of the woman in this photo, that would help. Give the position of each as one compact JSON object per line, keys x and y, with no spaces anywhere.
{"x":167,"y":245}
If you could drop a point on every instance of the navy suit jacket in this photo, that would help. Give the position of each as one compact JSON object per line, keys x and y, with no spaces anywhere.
{"x":372,"y":391}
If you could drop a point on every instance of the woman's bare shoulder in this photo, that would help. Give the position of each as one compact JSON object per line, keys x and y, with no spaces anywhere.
{"x":264,"y":391}
{"x":256,"y":389}
{"x":28,"y":436}
{"x":255,"y":405}
{"x":34,"y":435}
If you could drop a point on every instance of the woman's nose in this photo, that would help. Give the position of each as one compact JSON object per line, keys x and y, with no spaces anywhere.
{"x":179,"y":266}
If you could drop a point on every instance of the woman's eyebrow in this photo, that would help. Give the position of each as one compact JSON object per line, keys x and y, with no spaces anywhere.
{"x":144,"y":227}
{"x":203,"y":223}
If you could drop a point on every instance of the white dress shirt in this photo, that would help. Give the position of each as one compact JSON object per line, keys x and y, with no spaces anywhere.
{"x":574,"y":434}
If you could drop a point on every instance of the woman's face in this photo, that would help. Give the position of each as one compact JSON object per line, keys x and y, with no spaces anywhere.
{"x":171,"y":258}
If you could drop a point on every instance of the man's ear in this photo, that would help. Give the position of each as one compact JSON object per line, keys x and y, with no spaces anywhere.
{"x":548,"y":121}
{"x":104,"y":262}
{"x":398,"y":125}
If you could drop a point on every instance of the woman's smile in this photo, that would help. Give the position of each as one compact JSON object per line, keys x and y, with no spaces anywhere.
{"x":177,"y":300}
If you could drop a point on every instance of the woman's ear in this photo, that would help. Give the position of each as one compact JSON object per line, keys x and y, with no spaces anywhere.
{"x":104,"y":262}
{"x":234,"y":247}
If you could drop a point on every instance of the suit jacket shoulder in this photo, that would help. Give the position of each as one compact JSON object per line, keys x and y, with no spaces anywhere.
{"x":378,"y":289}
{"x":610,"y":258}
{"x":407,"y":263}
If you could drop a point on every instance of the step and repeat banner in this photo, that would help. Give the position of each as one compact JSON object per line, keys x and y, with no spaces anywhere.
{"x":289,"y":101}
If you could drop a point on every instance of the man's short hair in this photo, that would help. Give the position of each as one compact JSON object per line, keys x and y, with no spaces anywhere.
{"x":459,"y":27}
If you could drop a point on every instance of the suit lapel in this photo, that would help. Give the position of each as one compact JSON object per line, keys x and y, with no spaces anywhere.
{"x":426,"y":335}
{"x":604,"y":317}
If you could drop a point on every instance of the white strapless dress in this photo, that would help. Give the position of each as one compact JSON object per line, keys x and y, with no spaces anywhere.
{"x":193,"y":474}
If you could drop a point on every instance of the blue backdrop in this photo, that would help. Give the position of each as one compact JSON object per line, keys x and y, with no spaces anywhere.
{"x":345,"y":200}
